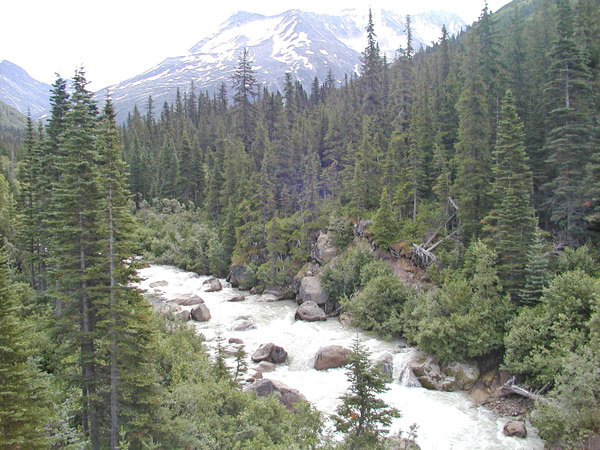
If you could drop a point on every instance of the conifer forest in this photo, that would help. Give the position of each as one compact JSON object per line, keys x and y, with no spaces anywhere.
{"x":459,"y":183}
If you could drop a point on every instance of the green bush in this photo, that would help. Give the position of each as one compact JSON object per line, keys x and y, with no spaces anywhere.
{"x":342,"y":276}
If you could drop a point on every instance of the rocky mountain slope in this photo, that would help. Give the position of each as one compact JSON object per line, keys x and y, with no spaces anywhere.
{"x":19,"y":90}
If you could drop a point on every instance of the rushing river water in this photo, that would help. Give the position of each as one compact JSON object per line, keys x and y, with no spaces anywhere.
{"x":446,"y":420}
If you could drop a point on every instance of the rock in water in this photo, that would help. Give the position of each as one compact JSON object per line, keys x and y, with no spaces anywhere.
{"x":311,"y":290}
{"x":267,"y":298}
{"x":158,"y":284}
{"x":331,"y":357}
{"x":212,"y":285}
{"x":237,"y":298}
{"x":265,"y":387}
{"x":270,"y":352}
{"x":310,"y":312}
{"x":515,"y":428}
{"x":187,"y":300}
{"x":201,"y":313}
{"x":242,"y":325}
{"x":242,"y":277}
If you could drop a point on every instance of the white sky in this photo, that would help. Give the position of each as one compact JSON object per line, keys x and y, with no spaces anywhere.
{"x":117,"y":39}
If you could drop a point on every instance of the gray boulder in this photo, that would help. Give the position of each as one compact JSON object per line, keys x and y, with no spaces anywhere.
{"x":311,"y":290}
{"x":201,"y":313}
{"x":267,"y":298}
{"x":466,"y":375}
{"x":264,"y":366}
{"x":212,"y":285}
{"x":187,"y":300}
{"x":331,"y":357}
{"x":158,"y":284}
{"x":515,"y":428}
{"x":241,"y":277}
{"x":242,"y":325}
{"x":310,"y":312}
{"x":286,"y":395}
{"x":323,"y":251}
{"x":270,"y":352}
{"x":237,"y":298}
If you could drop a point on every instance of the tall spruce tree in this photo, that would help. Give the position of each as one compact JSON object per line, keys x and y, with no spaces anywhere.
{"x":76,"y":249}
{"x":510,"y":223}
{"x":570,"y":139}
{"x":472,"y":159}
{"x":22,"y":413}
{"x":244,"y":86}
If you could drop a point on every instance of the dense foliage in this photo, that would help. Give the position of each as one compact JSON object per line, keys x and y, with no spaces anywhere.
{"x":476,"y":158}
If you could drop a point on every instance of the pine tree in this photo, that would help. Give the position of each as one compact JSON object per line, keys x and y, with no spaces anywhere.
{"x":537,"y":274}
{"x":76,"y":249}
{"x":22,"y":414}
{"x":371,"y":71}
{"x":385,"y":227}
{"x":510,"y":223}
{"x":244,"y":85}
{"x":361,"y":412}
{"x":472,"y":159}
{"x":570,"y":140}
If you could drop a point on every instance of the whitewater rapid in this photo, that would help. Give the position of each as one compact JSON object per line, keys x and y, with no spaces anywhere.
{"x":446,"y":420}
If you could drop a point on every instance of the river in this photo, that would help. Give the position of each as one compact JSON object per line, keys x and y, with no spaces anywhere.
{"x":446,"y":420}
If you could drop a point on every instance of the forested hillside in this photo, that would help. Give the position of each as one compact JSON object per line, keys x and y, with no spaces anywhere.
{"x":476,"y":159}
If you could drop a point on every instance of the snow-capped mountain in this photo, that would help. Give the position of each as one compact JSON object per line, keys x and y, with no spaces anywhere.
{"x":305,"y":44}
{"x":19,"y":90}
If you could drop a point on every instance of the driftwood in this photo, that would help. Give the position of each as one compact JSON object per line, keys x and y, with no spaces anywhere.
{"x":510,"y":387}
{"x":424,"y":256}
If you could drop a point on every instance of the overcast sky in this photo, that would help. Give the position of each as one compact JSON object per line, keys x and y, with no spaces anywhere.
{"x":117,"y":39}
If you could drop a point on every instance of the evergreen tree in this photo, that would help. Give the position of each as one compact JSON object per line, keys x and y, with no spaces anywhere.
{"x":22,"y":413}
{"x":76,"y":248}
{"x":361,"y":413}
{"x":371,"y":71}
{"x":570,"y":140}
{"x":385,"y":227}
{"x":472,"y":159}
{"x":510,"y":223}
{"x":244,"y":85}
{"x":537,"y":274}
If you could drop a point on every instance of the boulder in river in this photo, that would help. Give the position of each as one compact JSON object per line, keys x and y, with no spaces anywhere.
{"x":212,"y":285}
{"x":515,"y":428}
{"x":187,"y":300}
{"x":241,"y":276}
{"x":331,"y":357}
{"x":201,"y":313}
{"x":286,"y":395}
{"x":267,"y":298}
{"x":237,"y":298}
{"x":157,"y":284}
{"x":234,"y":340}
{"x":182,"y":315}
{"x":281,"y":294}
{"x":264,"y":366}
{"x":270,"y":352}
{"x":310,"y":312}
{"x":242,"y":325}
{"x":311,"y":290}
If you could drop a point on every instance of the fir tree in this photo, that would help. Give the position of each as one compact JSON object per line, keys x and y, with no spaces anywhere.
{"x":22,"y":413}
{"x":537,"y":274}
{"x":384,"y":225}
{"x":361,"y":413}
{"x":510,"y":223}
{"x":244,"y":85}
{"x":570,"y":140}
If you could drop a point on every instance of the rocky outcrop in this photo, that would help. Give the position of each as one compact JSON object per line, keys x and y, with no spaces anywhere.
{"x":331,"y":357}
{"x":455,"y":376}
{"x":237,"y":298}
{"x":201,"y":313}
{"x":286,"y":395}
{"x":187,"y":300}
{"x":466,"y":375}
{"x":323,"y":250}
{"x":515,"y":428}
{"x":311,"y":290}
{"x":270,"y":352}
{"x":310,"y":312}
{"x":212,"y":285}
{"x":241,"y":276}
